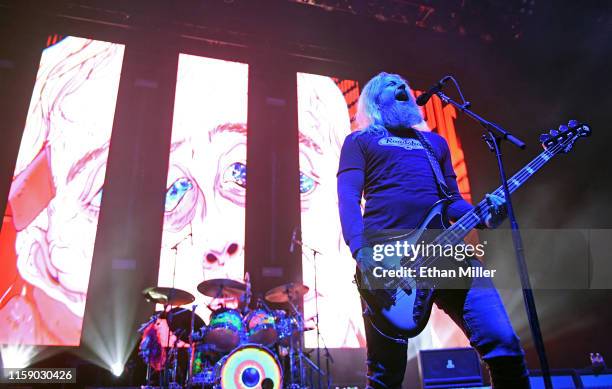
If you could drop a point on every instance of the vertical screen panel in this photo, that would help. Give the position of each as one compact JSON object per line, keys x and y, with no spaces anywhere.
{"x":50,"y":223}
{"x":324,"y":117}
{"x":203,"y":233}
{"x":326,"y":114}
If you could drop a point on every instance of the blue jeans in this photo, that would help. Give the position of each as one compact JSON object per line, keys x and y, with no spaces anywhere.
{"x":479,"y":312}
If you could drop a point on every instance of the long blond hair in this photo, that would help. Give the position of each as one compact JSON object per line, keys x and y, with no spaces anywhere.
{"x":368,"y":110}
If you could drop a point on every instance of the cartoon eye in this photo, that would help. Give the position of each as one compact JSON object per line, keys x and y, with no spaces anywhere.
{"x":176,"y":192}
{"x":237,"y":173}
{"x":307,"y":183}
{"x":97,"y":199}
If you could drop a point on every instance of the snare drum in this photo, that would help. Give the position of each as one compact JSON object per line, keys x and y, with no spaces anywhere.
{"x":225,"y":330}
{"x":261,"y":327}
{"x":247,"y":366}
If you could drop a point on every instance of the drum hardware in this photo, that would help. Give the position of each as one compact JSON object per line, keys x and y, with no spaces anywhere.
{"x":222,"y":288}
{"x":248,"y":366}
{"x":245,"y":299}
{"x":261,"y":327}
{"x":260,"y":339}
{"x":286,"y":293}
{"x":178,"y":321}
{"x":314,"y":252}
{"x":290,"y":326}
{"x":150,"y":349}
{"x":182,"y":321}
{"x":168,"y":296}
{"x":172,"y":300}
{"x":296,"y":346}
{"x":169,"y":375}
{"x":191,"y":346}
{"x":152,"y":320}
{"x":173,"y":356}
{"x":225,"y":330}
{"x":158,"y":349}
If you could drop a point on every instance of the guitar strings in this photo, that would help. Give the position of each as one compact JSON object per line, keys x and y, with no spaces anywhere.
{"x":468,"y":224}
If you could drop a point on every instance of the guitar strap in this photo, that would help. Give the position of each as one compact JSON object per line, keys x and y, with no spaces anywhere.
{"x":434,"y":163}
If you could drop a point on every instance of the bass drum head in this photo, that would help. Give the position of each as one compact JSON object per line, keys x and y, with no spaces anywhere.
{"x":247,"y":366}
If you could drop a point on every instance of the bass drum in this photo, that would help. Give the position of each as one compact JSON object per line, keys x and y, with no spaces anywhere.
{"x":247,"y":367}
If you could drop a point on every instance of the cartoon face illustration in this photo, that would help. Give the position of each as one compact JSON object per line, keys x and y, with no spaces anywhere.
{"x":203,"y":236}
{"x":55,"y":196}
{"x":324,"y":122}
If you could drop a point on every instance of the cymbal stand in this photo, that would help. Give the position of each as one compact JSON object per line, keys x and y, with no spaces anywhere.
{"x":148,"y":377}
{"x":245,"y":299}
{"x":191,"y":348}
{"x":316,"y":252}
{"x":169,"y":316}
{"x":296,"y":348}
{"x":296,"y":373}
{"x":146,"y":356}
{"x":174,"y":364}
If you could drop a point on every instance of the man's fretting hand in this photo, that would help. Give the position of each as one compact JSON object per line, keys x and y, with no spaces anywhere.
{"x":497,"y":211}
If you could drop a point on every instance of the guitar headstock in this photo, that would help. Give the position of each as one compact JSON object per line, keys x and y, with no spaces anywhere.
{"x":565,"y":136}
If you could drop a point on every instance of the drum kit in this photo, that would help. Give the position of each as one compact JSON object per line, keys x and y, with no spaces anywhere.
{"x":240,"y":347}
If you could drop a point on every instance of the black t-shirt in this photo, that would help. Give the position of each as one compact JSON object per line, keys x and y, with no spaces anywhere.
{"x":399,"y":184}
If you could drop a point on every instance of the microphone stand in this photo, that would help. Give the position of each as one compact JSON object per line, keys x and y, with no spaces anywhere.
{"x":495,"y":134}
{"x":316,"y":291}
{"x":169,"y":317}
{"x":191,"y":348}
{"x":328,"y":359}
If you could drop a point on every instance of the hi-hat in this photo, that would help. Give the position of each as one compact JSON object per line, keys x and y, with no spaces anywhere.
{"x":222,"y":288}
{"x":286,"y":292}
{"x":168,"y":296}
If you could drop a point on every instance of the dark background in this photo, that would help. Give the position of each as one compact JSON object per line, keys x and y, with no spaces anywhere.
{"x":526,"y":70}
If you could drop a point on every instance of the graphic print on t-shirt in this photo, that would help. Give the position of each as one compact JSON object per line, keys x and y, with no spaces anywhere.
{"x":405,"y":143}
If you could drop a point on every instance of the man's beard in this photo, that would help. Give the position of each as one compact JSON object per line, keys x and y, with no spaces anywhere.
{"x":401,"y":115}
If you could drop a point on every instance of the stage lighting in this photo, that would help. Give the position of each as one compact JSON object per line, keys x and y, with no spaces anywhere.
{"x":117,"y":369}
{"x":18,"y":355}
{"x":109,"y":334}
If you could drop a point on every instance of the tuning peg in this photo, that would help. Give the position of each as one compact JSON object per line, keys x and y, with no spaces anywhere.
{"x":572,"y":124}
{"x":554,"y":132}
{"x":563,"y":128}
{"x":584,"y":130}
{"x":544,"y":138}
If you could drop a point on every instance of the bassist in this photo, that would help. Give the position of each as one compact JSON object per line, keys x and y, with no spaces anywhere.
{"x":392,"y":165}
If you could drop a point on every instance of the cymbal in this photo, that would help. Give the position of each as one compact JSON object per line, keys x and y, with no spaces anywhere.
{"x":286,"y":292}
{"x":222,"y":288}
{"x":168,"y":296}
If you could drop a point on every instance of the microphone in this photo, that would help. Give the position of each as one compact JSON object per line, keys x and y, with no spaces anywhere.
{"x":424,"y":98}
{"x":293,"y":239}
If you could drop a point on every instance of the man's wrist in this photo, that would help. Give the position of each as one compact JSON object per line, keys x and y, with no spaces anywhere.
{"x":355,"y":245}
{"x":356,"y":252}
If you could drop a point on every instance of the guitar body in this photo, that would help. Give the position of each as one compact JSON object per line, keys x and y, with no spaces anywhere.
{"x":402,"y":313}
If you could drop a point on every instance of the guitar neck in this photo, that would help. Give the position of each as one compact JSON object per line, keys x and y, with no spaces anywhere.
{"x":457,"y":232}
